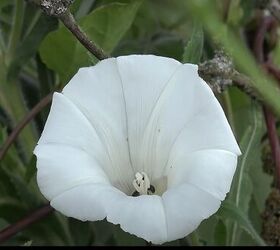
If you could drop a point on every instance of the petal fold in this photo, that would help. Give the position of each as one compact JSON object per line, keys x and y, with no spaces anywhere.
{"x":185,"y":207}
{"x":62,"y":167}
{"x":210,"y":170}
{"x":144,"y":79}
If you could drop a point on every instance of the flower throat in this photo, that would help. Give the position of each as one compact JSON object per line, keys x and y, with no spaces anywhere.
{"x":142,"y":185}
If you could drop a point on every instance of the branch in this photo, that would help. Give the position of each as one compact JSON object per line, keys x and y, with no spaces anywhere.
{"x":258,"y":47}
{"x":70,"y":23}
{"x":220,"y":73}
{"x":32,"y":113}
{"x":13,"y":229}
{"x":60,"y":10}
{"x":244,"y":83}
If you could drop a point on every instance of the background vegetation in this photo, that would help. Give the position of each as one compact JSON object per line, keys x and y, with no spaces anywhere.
{"x":38,"y":55}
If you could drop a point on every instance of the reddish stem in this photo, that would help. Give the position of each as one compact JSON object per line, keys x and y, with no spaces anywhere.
{"x":13,"y":229}
{"x":272,"y":69}
{"x":273,"y":140}
{"x":32,"y":113}
{"x":258,"y":48}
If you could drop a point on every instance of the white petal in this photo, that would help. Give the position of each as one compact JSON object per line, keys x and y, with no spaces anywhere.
{"x":97,"y":92}
{"x":142,"y":216}
{"x":144,"y":78}
{"x":199,"y":121}
{"x":187,"y":117}
{"x":87,"y":202}
{"x":67,"y":125}
{"x":210,"y":170}
{"x":185,"y":207}
{"x":134,"y":114}
{"x":62,"y":167}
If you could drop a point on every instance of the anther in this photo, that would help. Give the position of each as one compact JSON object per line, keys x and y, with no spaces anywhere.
{"x":142,"y":184}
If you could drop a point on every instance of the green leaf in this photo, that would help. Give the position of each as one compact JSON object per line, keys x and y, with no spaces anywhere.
{"x":167,"y":45}
{"x":6,"y":185}
{"x":204,"y":235}
{"x":250,"y":144}
{"x":72,"y":54}
{"x":4,"y":3}
{"x":103,"y":233}
{"x":123,"y":238}
{"x":255,"y":216}
{"x":193,"y":50}
{"x":30,"y":169}
{"x":19,"y":188}
{"x":231,"y":212}
{"x":242,"y":187}
{"x":248,"y":8}
{"x":24,"y":51}
{"x":105,"y":26}
{"x":220,"y":234}
{"x":262,"y":186}
{"x":81,"y":232}
{"x":235,"y":13}
{"x":11,"y":209}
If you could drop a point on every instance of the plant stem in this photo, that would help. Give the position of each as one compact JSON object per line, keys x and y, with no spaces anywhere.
{"x":25,"y":222}
{"x":69,"y":22}
{"x":12,"y":137}
{"x":59,"y":10}
{"x":266,"y":24}
{"x":274,"y":142}
{"x":17,"y":109}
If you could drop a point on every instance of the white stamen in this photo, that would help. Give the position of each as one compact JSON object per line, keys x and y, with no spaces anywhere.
{"x":141,"y":183}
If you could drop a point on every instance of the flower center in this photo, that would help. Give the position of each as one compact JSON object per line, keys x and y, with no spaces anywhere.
{"x":142,"y":184}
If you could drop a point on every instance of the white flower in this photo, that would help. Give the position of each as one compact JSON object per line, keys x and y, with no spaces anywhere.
{"x":142,"y":125}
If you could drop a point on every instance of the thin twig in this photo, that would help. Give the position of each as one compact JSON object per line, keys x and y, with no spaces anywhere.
{"x":273,"y":141}
{"x":243,"y":82}
{"x":258,"y":48}
{"x":60,"y":10}
{"x":13,"y":229}
{"x":273,"y":70}
{"x":69,"y":22}
{"x":31,"y":114}
{"x":220,"y":73}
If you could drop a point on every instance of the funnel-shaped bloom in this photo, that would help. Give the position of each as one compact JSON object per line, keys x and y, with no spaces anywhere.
{"x":141,"y":141}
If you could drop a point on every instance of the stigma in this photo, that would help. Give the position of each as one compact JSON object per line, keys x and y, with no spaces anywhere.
{"x":142,"y":185}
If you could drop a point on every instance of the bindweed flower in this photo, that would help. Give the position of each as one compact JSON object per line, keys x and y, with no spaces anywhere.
{"x":140,"y":140}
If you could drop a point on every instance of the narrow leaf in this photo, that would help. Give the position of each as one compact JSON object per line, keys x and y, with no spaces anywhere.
{"x":193,"y":50}
{"x":230,"y":211}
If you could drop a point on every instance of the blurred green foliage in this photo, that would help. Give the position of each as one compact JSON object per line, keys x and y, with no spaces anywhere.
{"x":38,"y":55}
